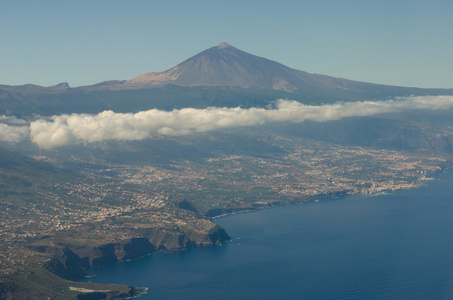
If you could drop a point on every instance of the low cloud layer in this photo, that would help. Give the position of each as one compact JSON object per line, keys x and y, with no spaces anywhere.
{"x":13,"y":130}
{"x":75,"y":128}
{"x":13,"y":134}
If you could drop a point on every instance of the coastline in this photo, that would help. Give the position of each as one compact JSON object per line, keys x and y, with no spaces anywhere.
{"x":420,"y":183}
{"x":75,"y":256}
{"x":58,"y":276}
{"x":171,"y":263}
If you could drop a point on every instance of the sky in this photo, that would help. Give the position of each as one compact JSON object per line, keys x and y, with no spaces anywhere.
{"x":398,"y":42}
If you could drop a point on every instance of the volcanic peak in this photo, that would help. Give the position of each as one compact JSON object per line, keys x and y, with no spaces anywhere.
{"x":223,"y":45}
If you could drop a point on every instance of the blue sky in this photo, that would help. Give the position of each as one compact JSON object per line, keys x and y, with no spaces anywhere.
{"x":397,"y":42}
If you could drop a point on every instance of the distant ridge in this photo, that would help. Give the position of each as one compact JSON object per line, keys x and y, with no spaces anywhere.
{"x":63,"y":85}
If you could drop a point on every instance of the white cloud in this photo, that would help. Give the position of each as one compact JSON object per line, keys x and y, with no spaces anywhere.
{"x":11,"y":120}
{"x":66,"y":129}
{"x":13,"y":134}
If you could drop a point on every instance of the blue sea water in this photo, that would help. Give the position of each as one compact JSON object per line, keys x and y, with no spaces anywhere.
{"x":394,"y":246}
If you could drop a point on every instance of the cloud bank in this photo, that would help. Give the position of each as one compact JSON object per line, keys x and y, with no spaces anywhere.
{"x":13,"y":130}
{"x":76,"y":128}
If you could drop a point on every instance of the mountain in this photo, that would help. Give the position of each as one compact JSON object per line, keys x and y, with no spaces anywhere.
{"x":219,"y":76}
{"x":225,"y":65}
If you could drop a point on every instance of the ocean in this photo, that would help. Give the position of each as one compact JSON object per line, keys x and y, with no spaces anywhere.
{"x":392,"y":246}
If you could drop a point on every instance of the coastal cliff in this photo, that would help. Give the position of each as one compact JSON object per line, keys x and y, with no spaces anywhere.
{"x":70,"y":260}
{"x":74,"y":261}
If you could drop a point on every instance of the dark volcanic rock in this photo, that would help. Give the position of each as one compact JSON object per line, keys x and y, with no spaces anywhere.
{"x":63,"y":85}
{"x":73,"y":262}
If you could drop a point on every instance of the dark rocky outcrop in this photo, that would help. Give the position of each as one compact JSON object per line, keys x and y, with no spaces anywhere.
{"x":73,"y":262}
{"x":63,"y":85}
{"x":68,"y":265}
{"x":187,"y":206}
